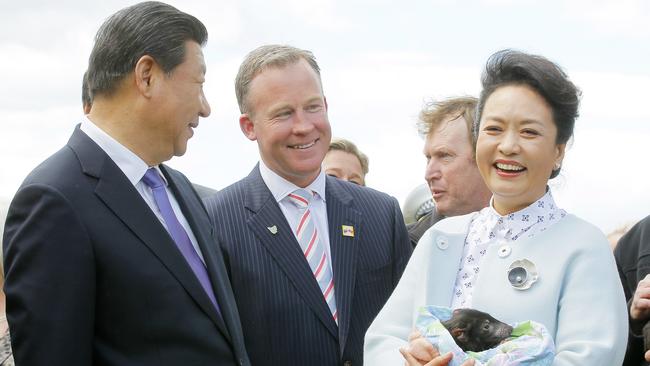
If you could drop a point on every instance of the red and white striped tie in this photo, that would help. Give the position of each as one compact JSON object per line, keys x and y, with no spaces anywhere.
{"x":312,"y":248}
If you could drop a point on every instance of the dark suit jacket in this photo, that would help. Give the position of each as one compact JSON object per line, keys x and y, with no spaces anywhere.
{"x":93,"y":278}
{"x":418,"y":228}
{"x":633,"y":261}
{"x":284,"y":316}
{"x":203,"y":191}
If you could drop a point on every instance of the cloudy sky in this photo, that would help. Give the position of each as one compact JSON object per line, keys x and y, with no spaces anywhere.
{"x":381,"y":61}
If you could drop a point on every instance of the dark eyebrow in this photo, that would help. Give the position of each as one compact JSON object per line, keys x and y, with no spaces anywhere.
{"x":531,"y":122}
{"x":524,"y":122}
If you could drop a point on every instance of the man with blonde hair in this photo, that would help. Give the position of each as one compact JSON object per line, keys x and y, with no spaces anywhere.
{"x":312,"y":259}
{"x":345,"y":161}
{"x":451,"y":172}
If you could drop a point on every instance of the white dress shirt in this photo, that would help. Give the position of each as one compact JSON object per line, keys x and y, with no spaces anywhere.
{"x":134,"y":168}
{"x":281,"y":187}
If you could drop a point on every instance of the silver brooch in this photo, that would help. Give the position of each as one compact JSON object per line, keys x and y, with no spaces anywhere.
{"x":522,"y":274}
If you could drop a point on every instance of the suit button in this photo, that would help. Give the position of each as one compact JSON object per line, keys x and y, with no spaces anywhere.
{"x":347,"y":363}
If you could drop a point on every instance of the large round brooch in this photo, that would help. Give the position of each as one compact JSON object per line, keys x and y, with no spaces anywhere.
{"x":522,"y":274}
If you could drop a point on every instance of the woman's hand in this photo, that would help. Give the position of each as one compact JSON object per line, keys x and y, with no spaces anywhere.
{"x":421,"y":349}
{"x":437,"y":361}
{"x":421,"y":352}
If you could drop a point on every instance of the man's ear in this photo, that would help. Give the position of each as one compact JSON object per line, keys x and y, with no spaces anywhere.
{"x":145,"y":74}
{"x":247,"y":126}
{"x":325,"y":99}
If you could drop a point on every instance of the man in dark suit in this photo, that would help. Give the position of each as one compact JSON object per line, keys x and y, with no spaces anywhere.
{"x":110,"y":257}
{"x":633,"y":262}
{"x":312,"y":259}
{"x":451,"y":172}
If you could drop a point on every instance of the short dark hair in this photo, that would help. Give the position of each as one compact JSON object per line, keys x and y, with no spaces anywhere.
{"x":148,"y":28}
{"x":86,"y":100}
{"x":510,"y":67}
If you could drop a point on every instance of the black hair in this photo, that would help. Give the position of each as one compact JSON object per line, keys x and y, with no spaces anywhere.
{"x":510,"y":67}
{"x":148,"y":28}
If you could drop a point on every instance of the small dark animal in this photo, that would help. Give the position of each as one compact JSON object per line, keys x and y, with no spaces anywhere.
{"x":475,"y":330}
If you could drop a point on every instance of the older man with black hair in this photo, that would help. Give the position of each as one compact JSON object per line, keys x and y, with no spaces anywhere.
{"x":109,"y":254}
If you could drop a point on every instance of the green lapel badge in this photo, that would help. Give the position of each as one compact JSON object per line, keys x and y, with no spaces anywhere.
{"x":273,"y":229}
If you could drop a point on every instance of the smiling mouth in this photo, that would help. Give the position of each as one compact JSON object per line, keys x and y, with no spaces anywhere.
{"x":302,"y":147}
{"x":509,"y":168}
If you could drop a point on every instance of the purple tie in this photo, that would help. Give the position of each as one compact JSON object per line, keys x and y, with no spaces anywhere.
{"x":154,"y":181}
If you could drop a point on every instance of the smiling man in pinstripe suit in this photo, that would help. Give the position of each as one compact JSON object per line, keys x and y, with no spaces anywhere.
{"x":312,"y":259}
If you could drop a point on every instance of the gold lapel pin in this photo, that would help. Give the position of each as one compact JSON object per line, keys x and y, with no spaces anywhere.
{"x":273,"y":229}
{"x":347,"y":230}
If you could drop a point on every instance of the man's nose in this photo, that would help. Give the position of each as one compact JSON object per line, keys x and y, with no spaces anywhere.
{"x":432,"y":170}
{"x":205,"y":106}
{"x":302,"y":123}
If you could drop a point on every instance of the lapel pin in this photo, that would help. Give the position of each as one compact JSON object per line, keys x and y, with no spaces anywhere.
{"x":348,"y":230}
{"x":273,"y":229}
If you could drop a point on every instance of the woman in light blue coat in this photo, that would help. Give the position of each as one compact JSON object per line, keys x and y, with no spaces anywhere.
{"x":522,"y":258}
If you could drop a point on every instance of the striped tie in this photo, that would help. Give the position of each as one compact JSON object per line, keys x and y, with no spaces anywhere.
{"x":312,"y":248}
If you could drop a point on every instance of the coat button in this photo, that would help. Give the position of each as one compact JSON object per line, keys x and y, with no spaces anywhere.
{"x":504,"y":251}
{"x":442,"y":242}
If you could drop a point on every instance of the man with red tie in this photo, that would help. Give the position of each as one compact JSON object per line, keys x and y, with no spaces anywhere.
{"x":311,"y":258}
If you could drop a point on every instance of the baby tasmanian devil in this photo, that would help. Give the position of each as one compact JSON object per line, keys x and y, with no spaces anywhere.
{"x":475,"y":330}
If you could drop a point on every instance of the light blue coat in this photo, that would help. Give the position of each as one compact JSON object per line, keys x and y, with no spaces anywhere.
{"x":578,"y":295}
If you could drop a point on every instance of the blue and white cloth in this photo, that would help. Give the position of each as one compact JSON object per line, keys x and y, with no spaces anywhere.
{"x":530,"y":344}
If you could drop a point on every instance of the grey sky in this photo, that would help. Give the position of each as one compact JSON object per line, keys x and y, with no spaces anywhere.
{"x":381,"y":60}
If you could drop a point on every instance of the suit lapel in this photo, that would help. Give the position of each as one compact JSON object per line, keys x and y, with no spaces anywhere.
{"x":203,"y":231}
{"x":344,"y":250}
{"x":283,"y":247}
{"x":117,"y":193}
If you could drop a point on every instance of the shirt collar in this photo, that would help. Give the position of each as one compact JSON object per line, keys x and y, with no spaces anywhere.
{"x":129,"y":163}
{"x":281,"y":187}
{"x":512,"y":226}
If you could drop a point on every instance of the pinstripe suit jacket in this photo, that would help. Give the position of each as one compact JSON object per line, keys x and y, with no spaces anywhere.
{"x":284,"y":316}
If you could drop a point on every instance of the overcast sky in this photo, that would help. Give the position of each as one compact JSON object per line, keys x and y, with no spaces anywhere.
{"x":381,"y":61}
